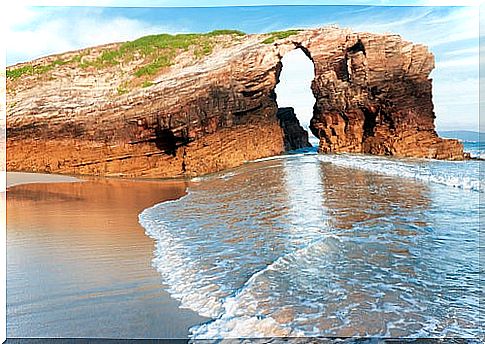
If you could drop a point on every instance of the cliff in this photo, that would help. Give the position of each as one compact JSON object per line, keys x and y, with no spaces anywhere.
{"x":294,"y":136}
{"x":186,"y":105}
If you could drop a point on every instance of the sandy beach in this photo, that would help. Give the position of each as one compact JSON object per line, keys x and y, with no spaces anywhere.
{"x":19,"y":178}
{"x":79,"y":263}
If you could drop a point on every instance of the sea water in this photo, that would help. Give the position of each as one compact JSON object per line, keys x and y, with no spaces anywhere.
{"x":326,"y":245}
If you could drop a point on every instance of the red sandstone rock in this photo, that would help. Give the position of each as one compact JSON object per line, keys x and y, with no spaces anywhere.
{"x":207,"y":114}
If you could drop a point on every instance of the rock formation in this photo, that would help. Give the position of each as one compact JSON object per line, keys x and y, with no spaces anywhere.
{"x":137,"y":111}
{"x":294,"y":136}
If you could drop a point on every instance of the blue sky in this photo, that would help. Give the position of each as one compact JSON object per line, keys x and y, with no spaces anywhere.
{"x":451,"y":33}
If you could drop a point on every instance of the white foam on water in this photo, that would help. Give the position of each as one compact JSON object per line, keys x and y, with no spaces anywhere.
{"x":242,"y":316}
{"x":478,"y":154}
{"x":460,"y":174}
{"x":264,"y":221}
{"x":475,"y":148}
{"x":228,"y":311}
{"x":177,"y":270}
{"x":199,"y":287}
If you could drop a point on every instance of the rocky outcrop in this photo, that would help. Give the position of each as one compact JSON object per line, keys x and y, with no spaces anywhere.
{"x":374,"y":96}
{"x":73,"y":113}
{"x":294,"y":136}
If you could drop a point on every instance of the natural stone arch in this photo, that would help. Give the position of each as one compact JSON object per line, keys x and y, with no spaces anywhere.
{"x":290,"y":115}
{"x":373,"y":95}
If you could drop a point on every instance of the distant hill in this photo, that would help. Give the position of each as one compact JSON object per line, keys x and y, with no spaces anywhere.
{"x":464,"y":135}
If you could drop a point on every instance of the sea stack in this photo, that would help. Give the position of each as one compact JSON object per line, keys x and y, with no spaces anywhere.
{"x":188,"y":105}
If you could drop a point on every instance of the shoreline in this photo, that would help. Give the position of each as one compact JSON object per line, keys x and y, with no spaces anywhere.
{"x":82,"y":238}
{"x":23,"y":178}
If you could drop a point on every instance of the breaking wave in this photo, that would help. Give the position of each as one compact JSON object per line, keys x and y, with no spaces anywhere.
{"x":466,"y":175}
{"x":325,"y":245}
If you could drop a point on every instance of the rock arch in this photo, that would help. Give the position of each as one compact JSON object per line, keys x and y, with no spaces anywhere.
{"x":373,"y":95}
{"x":294,"y":97}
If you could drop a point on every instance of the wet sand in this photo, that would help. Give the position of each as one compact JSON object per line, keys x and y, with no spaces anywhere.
{"x":18,"y":178}
{"x":79,"y":263}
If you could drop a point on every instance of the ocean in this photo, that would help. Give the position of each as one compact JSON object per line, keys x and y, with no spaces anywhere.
{"x":475,"y":148}
{"x":305,"y":244}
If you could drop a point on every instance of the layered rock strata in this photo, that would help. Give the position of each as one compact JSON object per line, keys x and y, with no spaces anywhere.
{"x":203,"y":114}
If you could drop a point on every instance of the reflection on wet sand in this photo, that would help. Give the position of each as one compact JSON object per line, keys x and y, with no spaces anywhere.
{"x":390,"y":260}
{"x":79,"y":264}
{"x":354,"y":197}
{"x":291,"y":246}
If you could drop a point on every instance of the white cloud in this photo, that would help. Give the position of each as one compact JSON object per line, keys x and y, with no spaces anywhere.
{"x":465,"y":51}
{"x":425,"y":26}
{"x":456,"y":102}
{"x":63,"y":33}
{"x":19,"y":14}
{"x":454,"y":92}
{"x":470,"y":61}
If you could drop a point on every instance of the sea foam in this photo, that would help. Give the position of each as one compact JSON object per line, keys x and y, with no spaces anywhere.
{"x":461,"y":174}
{"x":311,"y":245}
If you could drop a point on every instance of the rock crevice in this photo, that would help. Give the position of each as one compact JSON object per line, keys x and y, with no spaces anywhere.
{"x":294,"y":136}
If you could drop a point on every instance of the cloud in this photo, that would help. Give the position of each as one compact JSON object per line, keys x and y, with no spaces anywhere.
{"x":454,"y":92}
{"x":456,"y":102}
{"x":465,"y":51}
{"x":429,"y":26}
{"x":55,"y":30}
{"x":471,"y":61}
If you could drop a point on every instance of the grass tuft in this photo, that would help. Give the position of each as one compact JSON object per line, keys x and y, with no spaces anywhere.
{"x":18,"y":72}
{"x":40,"y":69}
{"x":225,"y":32}
{"x":122,"y":89}
{"x":279,"y":35}
{"x":164,"y":60}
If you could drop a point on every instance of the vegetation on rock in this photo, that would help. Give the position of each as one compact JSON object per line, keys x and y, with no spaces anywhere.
{"x":158,"y":51}
{"x":275,"y":35}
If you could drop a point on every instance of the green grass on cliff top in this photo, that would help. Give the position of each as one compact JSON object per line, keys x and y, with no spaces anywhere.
{"x":33,"y":70}
{"x":275,"y":35}
{"x":158,"y":51}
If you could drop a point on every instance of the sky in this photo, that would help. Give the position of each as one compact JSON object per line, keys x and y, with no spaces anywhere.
{"x":451,"y":33}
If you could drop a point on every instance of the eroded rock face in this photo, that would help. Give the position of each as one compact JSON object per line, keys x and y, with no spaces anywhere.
{"x":373,"y":95}
{"x":294,"y":136}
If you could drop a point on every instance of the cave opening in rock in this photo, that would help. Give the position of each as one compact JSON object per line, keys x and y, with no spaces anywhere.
{"x":294,"y":91}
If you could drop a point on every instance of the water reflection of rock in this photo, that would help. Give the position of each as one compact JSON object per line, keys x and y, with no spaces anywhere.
{"x":382,"y":262}
{"x":258,"y":193}
{"x":357,"y":198}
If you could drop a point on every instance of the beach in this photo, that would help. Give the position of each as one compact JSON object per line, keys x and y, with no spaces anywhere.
{"x":313,"y":245}
{"x":302,"y":244}
{"x":79,"y":263}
